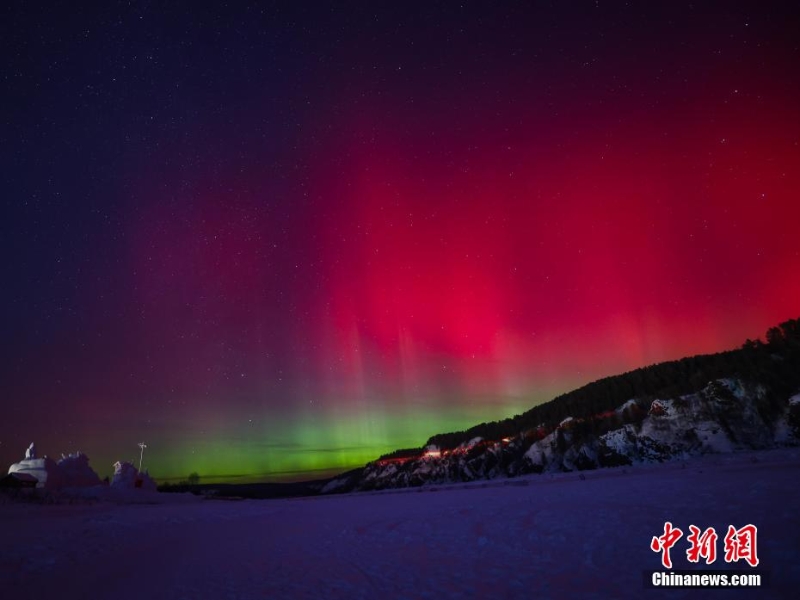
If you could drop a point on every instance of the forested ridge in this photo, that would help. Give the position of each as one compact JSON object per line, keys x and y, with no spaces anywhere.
{"x":775,"y":361}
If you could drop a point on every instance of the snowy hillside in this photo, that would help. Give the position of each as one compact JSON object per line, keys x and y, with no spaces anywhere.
{"x":727,"y":415}
{"x":564,"y":535}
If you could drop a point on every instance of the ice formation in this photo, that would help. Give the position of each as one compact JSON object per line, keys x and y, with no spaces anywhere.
{"x":126,"y":476}
{"x":70,"y":471}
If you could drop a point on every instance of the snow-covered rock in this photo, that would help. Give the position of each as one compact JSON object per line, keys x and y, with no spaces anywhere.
{"x":725,"y":416}
{"x":467,"y":446}
{"x":432,"y":451}
{"x":126,"y":476}
{"x":76,"y":472}
{"x":70,"y":471}
{"x":44,"y":470}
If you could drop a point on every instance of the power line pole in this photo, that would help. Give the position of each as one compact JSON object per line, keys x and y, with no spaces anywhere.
{"x":142,"y":445}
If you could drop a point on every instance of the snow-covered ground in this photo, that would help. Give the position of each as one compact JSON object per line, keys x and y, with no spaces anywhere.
{"x":541,"y":536}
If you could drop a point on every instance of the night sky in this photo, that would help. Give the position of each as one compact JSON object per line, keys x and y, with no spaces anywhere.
{"x":275,"y":240}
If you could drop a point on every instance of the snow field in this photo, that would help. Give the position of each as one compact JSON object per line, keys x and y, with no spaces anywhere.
{"x":566,"y":535}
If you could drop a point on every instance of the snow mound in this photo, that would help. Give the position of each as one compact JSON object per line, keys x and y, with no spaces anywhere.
{"x":70,"y":471}
{"x":76,"y":472}
{"x":126,"y":476}
{"x":44,"y":470}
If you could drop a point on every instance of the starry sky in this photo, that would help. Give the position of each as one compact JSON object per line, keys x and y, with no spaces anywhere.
{"x":275,"y":240}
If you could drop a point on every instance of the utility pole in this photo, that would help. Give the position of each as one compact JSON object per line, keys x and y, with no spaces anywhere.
{"x":142,"y":445}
